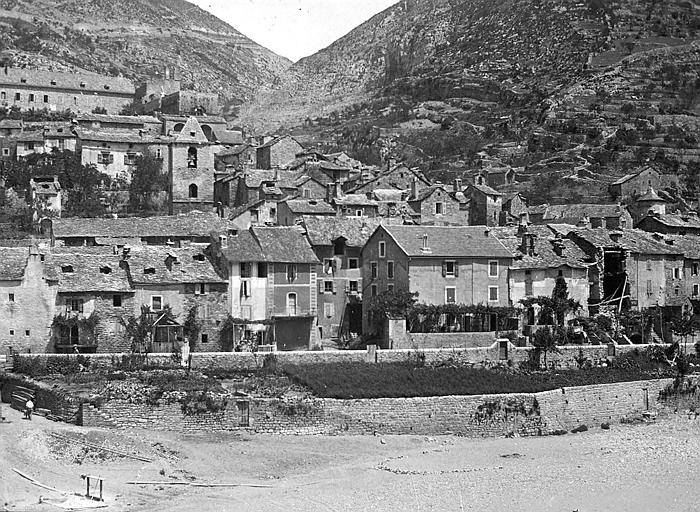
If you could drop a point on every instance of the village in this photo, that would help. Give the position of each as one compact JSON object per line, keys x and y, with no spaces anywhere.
{"x":162,"y":269}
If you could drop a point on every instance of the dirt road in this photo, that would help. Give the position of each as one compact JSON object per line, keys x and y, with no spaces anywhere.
{"x":628,"y":468}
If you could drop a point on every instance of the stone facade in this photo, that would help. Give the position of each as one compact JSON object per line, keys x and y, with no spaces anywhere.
{"x":278,"y":152}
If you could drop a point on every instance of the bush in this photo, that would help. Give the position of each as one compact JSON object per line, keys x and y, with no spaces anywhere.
{"x":200,"y":402}
{"x":38,"y":366}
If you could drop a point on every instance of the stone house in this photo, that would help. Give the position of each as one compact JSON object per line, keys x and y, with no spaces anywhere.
{"x":257,"y":213}
{"x":31,"y":89}
{"x":291,"y":211}
{"x":540,"y":257}
{"x":444,"y":264}
{"x":434,"y":205}
{"x":278,"y":152}
{"x":251,"y":185}
{"x":629,"y":263}
{"x":272,"y":282}
{"x":92,"y":299}
{"x":314,"y":185}
{"x":671,"y":223}
{"x":485,"y":205}
{"x":631,"y":186}
{"x":355,"y":205}
{"x":514,"y":206}
{"x":235,"y":158}
{"x":183,"y":279}
{"x":10,"y":127}
{"x":213,"y":127}
{"x":106,"y":122}
{"x":337,"y":243}
{"x":399,"y":177}
{"x":46,"y":194}
{"x":27,"y":300}
{"x":689,"y":276}
{"x":44,"y":138}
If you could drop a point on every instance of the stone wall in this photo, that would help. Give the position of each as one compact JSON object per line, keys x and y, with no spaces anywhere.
{"x":486,"y":356}
{"x":472,"y":416}
{"x":53,"y":398}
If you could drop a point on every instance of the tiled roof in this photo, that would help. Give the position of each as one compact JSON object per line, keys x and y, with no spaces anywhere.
{"x":544,"y":255}
{"x":147,"y":265}
{"x":354,"y":199}
{"x":677,"y":220}
{"x":83,"y":272}
{"x":121,"y":136}
{"x":633,"y":240}
{"x":201,"y":119}
{"x":10,"y":124}
{"x":107,"y":118}
{"x":316,"y":175}
{"x":29,"y":137}
{"x":235,"y":150}
{"x":322,"y":230}
{"x":650,"y":195}
{"x":274,"y":141}
{"x":688,"y":244}
{"x":243,"y":246}
{"x":448,"y":241}
{"x":185,"y":225}
{"x":578,"y":211}
{"x":485,"y":189}
{"x":13,"y":260}
{"x":624,"y":179}
{"x":309,"y":207}
{"x":254,"y":178}
{"x":425,"y":193}
{"x":228,"y":136}
{"x":386,"y":194}
{"x":284,"y":245}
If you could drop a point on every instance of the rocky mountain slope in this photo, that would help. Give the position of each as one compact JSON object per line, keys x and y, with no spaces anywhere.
{"x":136,"y":38}
{"x":564,"y":86}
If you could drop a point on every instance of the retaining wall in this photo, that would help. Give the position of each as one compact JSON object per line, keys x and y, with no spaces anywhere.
{"x":473,"y":416}
{"x":566,"y":357}
{"x":59,"y":402}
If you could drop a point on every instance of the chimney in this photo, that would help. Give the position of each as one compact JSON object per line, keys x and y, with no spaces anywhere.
{"x":458,"y":185}
{"x":425,"y":248}
{"x":527,"y":244}
{"x":414,"y":187}
{"x":522,"y":224}
{"x":615,"y":236}
{"x":167,"y":72}
{"x":558,"y":245}
{"x":126,"y":252}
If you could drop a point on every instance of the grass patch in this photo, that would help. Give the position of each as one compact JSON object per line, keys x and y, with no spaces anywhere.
{"x":401,"y":380}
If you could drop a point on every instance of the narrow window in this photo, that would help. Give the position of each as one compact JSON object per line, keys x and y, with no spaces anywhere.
{"x":374,"y":290}
{"x":354,"y":287}
{"x":12,"y":297}
{"x":291,"y":304}
{"x":27,"y":332}
{"x":493,"y":268}
{"x":246,"y":269}
{"x":676,"y":273}
{"x":373,"y":267}
{"x":390,"y":269}
{"x":493,"y":293}
{"x":353,"y":263}
{"x":46,"y":98}
{"x":450,"y":295}
{"x":696,"y":267}
{"x":649,"y":290}
{"x":193,"y":191}
{"x":696,"y":290}
{"x":291,"y":273}
{"x":31,"y":98}
{"x":18,"y":96}
{"x":358,"y":213}
{"x":205,"y":338}
{"x":117,"y":301}
{"x":390,"y":287}
{"x":192,"y":157}
{"x":382,"y":249}
{"x":439,"y":208}
{"x":156,"y":302}
{"x":327,"y":286}
{"x":262,"y":269}
{"x":450,"y":269}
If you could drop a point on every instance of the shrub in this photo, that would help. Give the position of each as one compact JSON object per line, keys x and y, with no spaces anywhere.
{"x":200,"y":402}
{"x":38,"y":366}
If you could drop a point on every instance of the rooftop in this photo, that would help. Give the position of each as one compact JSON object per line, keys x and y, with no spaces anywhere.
{"x":272,"y":245}
{"x":485,"y":189}
{"x":309,"y":207}
{"x":544,"y":254}
{"x":61,"y":81}
{"x":80,"y":271}
{"x":448,"y":241}
{"x":633,"y":240}
{"x":165,"y":265}
{"x":107,"y":118}
{"x":676,"y":220}
{"x":579,"y":211}
{"x":323,"y":230}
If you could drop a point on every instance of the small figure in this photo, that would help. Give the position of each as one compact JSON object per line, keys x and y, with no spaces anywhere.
{"x":28,"y":408}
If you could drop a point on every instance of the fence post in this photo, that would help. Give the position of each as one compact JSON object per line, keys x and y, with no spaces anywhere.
{"x":371,"y":354}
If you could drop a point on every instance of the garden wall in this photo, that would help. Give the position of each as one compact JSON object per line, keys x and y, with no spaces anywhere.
{"x":566,"y":357}
{"x":473,"y":416}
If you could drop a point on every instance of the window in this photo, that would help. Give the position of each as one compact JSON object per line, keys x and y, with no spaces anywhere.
{"x":5,"y":151}
{"x":696,"y":290}
{"x":373,"y":267}
{"x":245,"y":289}
{"x":493,"y":269}
{"x":74,"y":305}
{"x":450,"y":295}
{"x":262,"y":269}
{"x":358,"y":213}
{"x":291,"y":304}
{"x":117,"y":301}
{"x":246,"y":269}
{"x":105,"y":270}
{"x":339,"y":247}
{"x":374,"y":290}
{"x":156,"y":302}
{"x":149,"y":270}
{"x":449,"y":269}
{"x":159,"y":153}
{"x":254,"y":216}
{"x":105,"y":157}
{"x":390,"y":269}
{"x":649,"y":289}
{"x":439,"y":208}
{"x":291,"y":273}
{"x":382,"y":249}
{"x":696,"y":267}
{"x":676,"y":273}
{"x":31,"y":97}
{"x":66,"y":268}
{"x":390,"y":287}
{"x":353,"y":263}
{"x":193,"y":191}
{"x":46,"y":98}
{"x":328,"y":265}
{"x":130,"y":159}
{"x":11,"y":297}
{"x":3,"y":95}
{"x":27,"y":332}
{"x":53,"y":82}
{"x":353,"y":286}
{"x":192,"y":157}
{"x":205,"y":338}
{"x":18,"y":96}
{"x":12,"y":332}
{"x":200,"y":289}
{"x":327,"y":286}
{"x":493,"y":293}
{"x":649,"y":265}
{"x":29,"y":145}
{"x":328,"y":310}
{"x":306,"y":193}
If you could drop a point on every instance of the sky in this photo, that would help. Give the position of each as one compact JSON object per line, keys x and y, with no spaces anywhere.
{"x":294,"y":28}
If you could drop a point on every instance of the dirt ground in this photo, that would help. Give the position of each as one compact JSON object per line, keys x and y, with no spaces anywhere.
{"x":647,"y":467}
